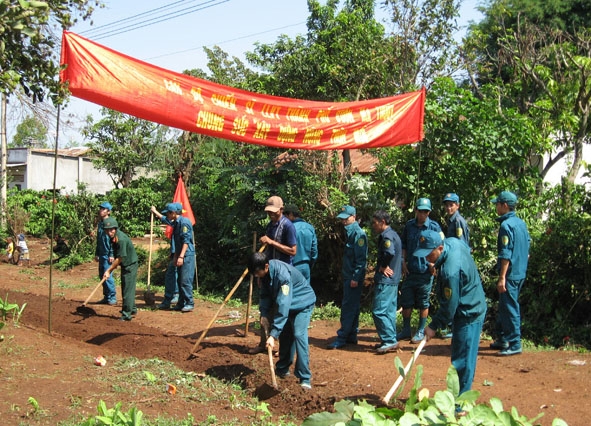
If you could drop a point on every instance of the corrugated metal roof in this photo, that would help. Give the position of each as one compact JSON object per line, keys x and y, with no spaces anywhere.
{"x":79,"y":151}
{"x":362,"y":162}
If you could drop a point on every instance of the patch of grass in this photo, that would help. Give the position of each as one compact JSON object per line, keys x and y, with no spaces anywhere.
{"x":37,"y":278}
{"x":9,"y":347}
{"x":326,"y":312}
{"x":366,"y":319}
{"x":64,"y":285}
{"x":218,"y":300}
{"x":35,"y":411}
{"x":145,"y":377}
{"x":75,"y":401}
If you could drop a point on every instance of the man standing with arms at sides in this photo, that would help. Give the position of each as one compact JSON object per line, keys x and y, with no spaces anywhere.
{"x":104,"y":255}
{"x":416,"y":288}
{"x":171,"y":287}
{"x":126,"y":256}
{"x":461,"y":299}
{"x":513,"y":253}
{"x":280,"y":238}
{"x":387,"y":276}
{"x":353,"y":271}
{"x":456,"y":224}
{"x":184,"y":254}
{"x":307,"y":243}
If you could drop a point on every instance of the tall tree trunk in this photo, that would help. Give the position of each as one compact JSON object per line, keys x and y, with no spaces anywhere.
{"x":577,"y":161}
{"x":4,"y":150}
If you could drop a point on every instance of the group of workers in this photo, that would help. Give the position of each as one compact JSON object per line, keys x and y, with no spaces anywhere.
{"x":408,"y":268}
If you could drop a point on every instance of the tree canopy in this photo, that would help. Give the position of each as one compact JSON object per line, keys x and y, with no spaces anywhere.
{"x":31,"y":132}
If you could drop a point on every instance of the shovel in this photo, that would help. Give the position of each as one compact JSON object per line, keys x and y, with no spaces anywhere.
{"x":413,"y":359}
{"x":265,"y":391}
{"x":85,"y":310}
{"x":149,"y":296}
{"x":273,"y":377}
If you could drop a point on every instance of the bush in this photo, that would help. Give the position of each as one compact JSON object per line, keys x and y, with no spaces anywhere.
{"x":556,"y":298}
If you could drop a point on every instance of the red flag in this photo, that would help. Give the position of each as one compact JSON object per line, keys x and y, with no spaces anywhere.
{"x":180,"y":196}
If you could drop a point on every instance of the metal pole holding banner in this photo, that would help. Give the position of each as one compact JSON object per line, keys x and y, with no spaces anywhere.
{"x":249,"y":304}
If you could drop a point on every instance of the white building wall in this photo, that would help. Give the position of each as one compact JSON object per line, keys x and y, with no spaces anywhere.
{"x":557,"y":171}
{"x":34,"y":170}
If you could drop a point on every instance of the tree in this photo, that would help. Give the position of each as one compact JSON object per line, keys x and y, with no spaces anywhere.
{"x":542,"y":70}
{"x":422,"y":43}
{"x":27,"y":53}
{"x":470,"y":147}
{"x":122,"y":143}
{"x":344,"y":57}
{"x":30,"y":132}
{"x":27,"y":47}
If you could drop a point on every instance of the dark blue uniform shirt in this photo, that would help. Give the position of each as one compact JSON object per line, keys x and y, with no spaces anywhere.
{"x":288,"y":289}
{"x":513,"y":244}
{"x":389,"y":254}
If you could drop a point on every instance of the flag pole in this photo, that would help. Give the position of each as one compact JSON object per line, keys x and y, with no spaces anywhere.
{"x":196,"y":286}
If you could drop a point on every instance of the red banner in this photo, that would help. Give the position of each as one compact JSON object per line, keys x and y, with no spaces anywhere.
{"x":117,"y":81}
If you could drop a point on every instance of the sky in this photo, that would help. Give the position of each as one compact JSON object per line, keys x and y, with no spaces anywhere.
{"x":171,"y":34}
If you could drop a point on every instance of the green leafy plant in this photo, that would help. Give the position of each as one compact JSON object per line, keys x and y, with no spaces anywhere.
{"x":36,"y":410}
{"x":150,"y":376}
{"x":262,"y":411}
{"x":114,"y":416}
{"x":10,"y":308}
{"x":446,"y":407}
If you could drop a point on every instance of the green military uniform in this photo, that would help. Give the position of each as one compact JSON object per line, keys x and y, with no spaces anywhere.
{"x":124,"y":251}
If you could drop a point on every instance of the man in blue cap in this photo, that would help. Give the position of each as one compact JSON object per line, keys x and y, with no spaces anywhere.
{"x":353,"y":272}
{"x":416,"y":287}
{"x":171,"y":287}
{"x":103,"y":254}
{"x":183,"y":254}
{"x":461,"y":300}
{"x":287,"y":297}
{"x":513,"y":252}
{"x":457,"y":227}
